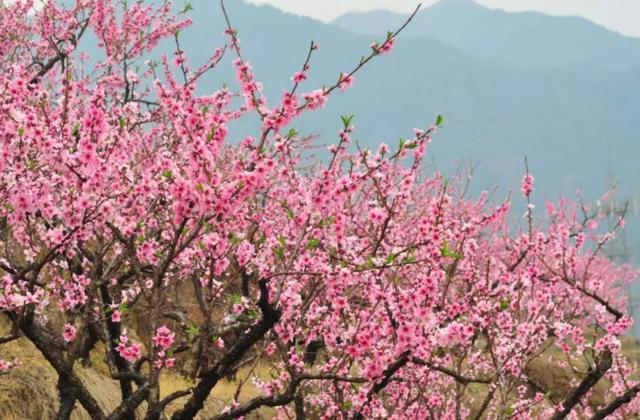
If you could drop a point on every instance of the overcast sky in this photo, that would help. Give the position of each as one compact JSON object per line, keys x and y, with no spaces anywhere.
{"x":620,"y":15}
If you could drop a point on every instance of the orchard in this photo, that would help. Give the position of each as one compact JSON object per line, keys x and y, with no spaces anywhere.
{"x":134,"y":220}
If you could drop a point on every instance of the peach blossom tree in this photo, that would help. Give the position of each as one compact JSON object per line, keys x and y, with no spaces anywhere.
{"x":134,"y":220}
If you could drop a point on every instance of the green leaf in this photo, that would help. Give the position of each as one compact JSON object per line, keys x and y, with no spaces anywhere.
{"x":236,"y":298}
{"x":401,"y":144}
{"x":508,"y":410}
{"x":282,"y":240}
{"x":292,"y":133}
{"x":234,"y":239}
{"x":389,"y":35}
{"x":370,"y":263}
{"x":347,"y":405}
{"x":327,"y":221}
{"x":390,"y":259}
{"x":409,"y":259}
{"x":439,"y":120}
{"x":121,"y":122}
{"x":346,"y":120}
{"x":193,"y":330}
{"x":279,"y":251}
{"x":187,"y":7}
{"x":167,"y":174}
{"x":411,"y":145}
{"x":252,"y":314}
{"x":21,"y":131}
{"x":286,"y":207}
{"x":313,"y":243}
{"x":446,"y":252}
{"x":200,"y":187}
{"x":214,"y":337}
{"x":504,"y":304}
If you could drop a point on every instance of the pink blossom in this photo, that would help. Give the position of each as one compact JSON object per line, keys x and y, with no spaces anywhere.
{"x":377,"y":215}
{"x":385,"y":47}
{"x":345,"y":81}
{"x":299,"y":77}
{"x":315,"y":99}
{"x":69,"y":332}
{"x":116,"y":316}
{"x":163,"y":338}
{"x":527,"y":185}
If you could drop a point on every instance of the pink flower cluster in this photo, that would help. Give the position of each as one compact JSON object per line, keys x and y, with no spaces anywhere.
{"x":527,"y":185}
{"x":163,"y":339}
{"x":130,"y":352}
{"x":385,"y":47}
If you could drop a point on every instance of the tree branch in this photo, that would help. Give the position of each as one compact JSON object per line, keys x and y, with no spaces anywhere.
{"x":464,"y":380}
{"x":593,"y":376}
{"x":617,"y":403}
{"x":270,"y":316}
{"x":386,"y":378}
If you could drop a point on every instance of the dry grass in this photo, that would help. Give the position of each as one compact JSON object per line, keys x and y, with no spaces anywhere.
{"x":29,"y":392}
{"x":222,"y":394}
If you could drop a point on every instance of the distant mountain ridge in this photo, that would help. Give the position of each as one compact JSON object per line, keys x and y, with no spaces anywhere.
{"x":525,"y":39}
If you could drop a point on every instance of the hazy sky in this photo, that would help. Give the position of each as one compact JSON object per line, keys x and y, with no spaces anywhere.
{"x":620,"y":15}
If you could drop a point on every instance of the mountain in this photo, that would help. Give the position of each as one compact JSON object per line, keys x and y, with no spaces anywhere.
{"x":526,"y":39}
{"x":572,"y":120}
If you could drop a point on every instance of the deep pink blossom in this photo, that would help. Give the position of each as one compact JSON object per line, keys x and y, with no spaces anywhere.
{"x":69,"y":332}
{"x":527,"y":185}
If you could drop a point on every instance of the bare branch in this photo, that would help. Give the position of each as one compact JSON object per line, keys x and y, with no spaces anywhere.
{"x":593,"y":376}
